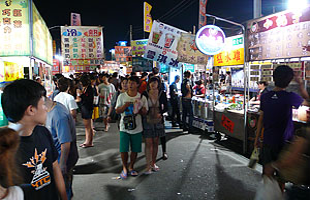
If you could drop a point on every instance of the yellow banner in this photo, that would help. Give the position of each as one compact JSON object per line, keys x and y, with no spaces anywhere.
{"x":233,"y":53}
{"x":13,"y":71}
{"x":148,"y":22}
{"x":14,"y":28}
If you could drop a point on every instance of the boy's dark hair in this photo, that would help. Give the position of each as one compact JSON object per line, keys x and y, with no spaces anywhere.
{"x":85,"y":80}
{"x":63,"y":84}
{"x":155,"y":70}
{"x":265,"y":83}
{"x":18,"y":95}
{"x":187,"y":74}
{"x":144,"y":74}
{"x":135,"y":79}
{"x":282,"y":76}
{"x":228,"y":72}
{"x":106,"y":75}
{"x":115,"y":75}
{"x":177,"y":77}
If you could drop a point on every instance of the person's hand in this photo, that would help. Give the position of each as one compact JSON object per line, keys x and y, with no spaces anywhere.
{"x":78,"y":92}
{"x":109,"y":119}
{"x":269,"y":170}
{"x":127,"y":104}
{"x":256,"y":143}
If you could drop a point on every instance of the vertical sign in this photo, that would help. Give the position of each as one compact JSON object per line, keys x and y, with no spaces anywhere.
{"x":138,"y":47}
{"x":14,"y":28}
{"x":82,"y":45}
{"x":76,"y":19}
{"x":147,"y":17}
{"x":122,"y":54}
{"x":202,"y":13}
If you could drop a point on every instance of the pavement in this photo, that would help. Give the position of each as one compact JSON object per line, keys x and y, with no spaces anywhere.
{"x":197,"y":168}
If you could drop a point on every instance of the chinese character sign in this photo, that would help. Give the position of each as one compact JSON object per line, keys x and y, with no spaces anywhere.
{"x":233,"y":52}
{"x":202,"y":13}
{"x":138,"y":47}
{"x":14,"y":28}
{"x":76,"y":19}
{"x":147,"y":17}
{"x":162,"y":44}
{"x":122,"y":54}
{"x":188,"y":51}
{"x":13,"y":71}
{"x":42,"y":39}
{"x":81,"y":45}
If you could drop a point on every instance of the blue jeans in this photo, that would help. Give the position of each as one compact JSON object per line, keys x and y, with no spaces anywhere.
{"x":187,"y":109}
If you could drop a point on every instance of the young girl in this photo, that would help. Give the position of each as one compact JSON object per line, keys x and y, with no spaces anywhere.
{"x":9,"y":141}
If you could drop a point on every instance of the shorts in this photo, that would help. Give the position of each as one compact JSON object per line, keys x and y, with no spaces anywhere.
{"x":135,"y":141}
{"x":86,"y":112}
{"x":269,"y":154}
{"x":95,"y":113}
{"x":104,"y":109}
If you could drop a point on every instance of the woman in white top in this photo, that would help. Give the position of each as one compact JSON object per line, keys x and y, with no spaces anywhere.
{"x":9,"y":141}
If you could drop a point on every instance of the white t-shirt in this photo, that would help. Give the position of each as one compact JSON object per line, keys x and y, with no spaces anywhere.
{"x":67,"y":100}
{"x":138,"y":101}
{"x":106,"y":93}
{"x":15,"y":193}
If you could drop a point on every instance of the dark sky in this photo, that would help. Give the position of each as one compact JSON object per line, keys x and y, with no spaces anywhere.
{"x":117,"y":15}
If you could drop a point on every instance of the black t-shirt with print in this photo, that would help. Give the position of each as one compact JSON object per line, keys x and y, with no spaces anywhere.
{"x":35,"y":157}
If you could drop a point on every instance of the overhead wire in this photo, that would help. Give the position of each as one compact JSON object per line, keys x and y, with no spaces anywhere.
{"x":171,"y":10}
{"x":180,"y":11}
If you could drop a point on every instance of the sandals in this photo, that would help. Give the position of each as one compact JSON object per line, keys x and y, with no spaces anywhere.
{"x":165,"y":156}
{"x":133,"y":173}
{"x":148,"y":172}
{"x":123,"y":175}
{"x":155,"y":168}
{"x":86,"y":145}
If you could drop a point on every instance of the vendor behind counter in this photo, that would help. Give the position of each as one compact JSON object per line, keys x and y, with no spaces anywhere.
{"x":262,"y":86}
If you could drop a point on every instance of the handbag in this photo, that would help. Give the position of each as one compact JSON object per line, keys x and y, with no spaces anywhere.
{"x":96,"y":100}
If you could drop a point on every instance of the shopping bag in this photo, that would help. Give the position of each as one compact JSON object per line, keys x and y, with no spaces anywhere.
{"x":254,"y":158}
{"x":269,"y":190}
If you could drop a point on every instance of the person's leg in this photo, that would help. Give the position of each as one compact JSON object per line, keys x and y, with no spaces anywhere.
{"x":148,"y":153}
{"x":124,"y":149}
{"x":136,"y":147}
{"x":184,"y":114}
{"x":178,"y":114}
{"x":155,"y":150}
{"x":191,"y":114}
{"x":105,"y":119}
{"x":163,"y":147}
{"x":88,"y":132}
{"x":173,"y":112}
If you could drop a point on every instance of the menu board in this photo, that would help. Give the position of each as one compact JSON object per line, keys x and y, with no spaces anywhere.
{"x":282,"y":35}
{"x":307,"y":71}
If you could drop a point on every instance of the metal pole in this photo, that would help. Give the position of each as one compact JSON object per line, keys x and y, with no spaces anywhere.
{"x":30,"y":10}
{"x":245,"y":77}
{"x":130,"y":34}
{"x":257,"y":8}
{"x":194,"y":30}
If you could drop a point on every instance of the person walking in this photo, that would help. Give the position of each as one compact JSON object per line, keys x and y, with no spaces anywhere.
{"x":95,"y":115}
{"x":106,"y":92}
{"x":86,"y":99}
{"x":62,"y":127}
{"x":131,"y":105}
{"x":153,"y":123}
{"x":187,"y":107}
{"x":23,"y":105}
{"x":9,"y":178}
{"x":175,"y":102}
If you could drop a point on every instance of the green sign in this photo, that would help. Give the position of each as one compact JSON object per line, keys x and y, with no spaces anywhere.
{"x":237,"y":41}
{"x":3,"y":120}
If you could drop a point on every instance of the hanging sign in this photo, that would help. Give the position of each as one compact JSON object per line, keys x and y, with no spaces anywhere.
{"x":147,"y":17}
{"x":122,"y":54}
{"x":233,"y":53}
{"x":210,"y":40}
{"x":162,"y":44}
{"x":138,"y":47}
{"x":188,"y":51}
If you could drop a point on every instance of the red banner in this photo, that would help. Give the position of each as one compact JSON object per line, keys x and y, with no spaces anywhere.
{"x":228,"y":124}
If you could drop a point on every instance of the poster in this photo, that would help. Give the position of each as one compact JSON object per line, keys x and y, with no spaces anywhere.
{"x":233,"y":53}
{"x":82,"y":45}
{"x":76,"y":19}
{"x":141,"y":65}
{"x":138,"y":47}
{"x":147,"y":17}
{"x":202,"y":13}
{"x":237,"y":77}
{"x":188,"y":67}
{"x":281,"y":35}
{"x":122,"y":54}
{"x":42,"y":39}
{"x":162,"y":44}
{"x":188,"y":51}
{"x":13,"y":71}
{"x":14,"y":28}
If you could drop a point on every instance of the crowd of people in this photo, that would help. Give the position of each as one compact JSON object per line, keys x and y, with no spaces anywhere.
{"x":39,"y":149}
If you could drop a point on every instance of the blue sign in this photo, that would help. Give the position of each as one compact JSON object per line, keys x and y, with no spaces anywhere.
{"x":210,"y":40}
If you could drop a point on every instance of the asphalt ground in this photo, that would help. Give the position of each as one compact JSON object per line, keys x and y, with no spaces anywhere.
{"x":198,"y":167}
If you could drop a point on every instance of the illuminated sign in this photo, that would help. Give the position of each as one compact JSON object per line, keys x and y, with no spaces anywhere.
{"x":210,"y":40}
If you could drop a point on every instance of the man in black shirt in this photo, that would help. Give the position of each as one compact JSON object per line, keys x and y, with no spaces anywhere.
{"x":23,"y":103}
{"x":174,"y":101}
{"x":187,"y":107}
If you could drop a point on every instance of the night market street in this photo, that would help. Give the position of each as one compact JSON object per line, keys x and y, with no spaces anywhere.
{"x":197,"y":168}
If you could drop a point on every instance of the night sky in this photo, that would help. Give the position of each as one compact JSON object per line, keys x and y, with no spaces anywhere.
{"x":116,"y":15}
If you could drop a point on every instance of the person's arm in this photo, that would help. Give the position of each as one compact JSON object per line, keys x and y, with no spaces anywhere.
{"x":296,"y":150}
{"x":59,"y":181}
{"x":65,"y":150}
{"x":164,"y":102}
{"x":73,"y":113}
{"x":259,"y":128}
{"x":145,"y":106}
{"x":122,"y":108}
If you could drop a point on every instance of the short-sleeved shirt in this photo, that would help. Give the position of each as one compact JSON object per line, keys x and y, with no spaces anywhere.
{"x":277,"y":108}
{"x":62,"y":127}
{"x":106,"y":93}
{"x":173,"y":91}
{"x":121,"y":100}
{"x":67,"y":100}
{"x":200,"y":89}
{"x":184,"y":90}
{"x":15,"y":193}
{"x":35,"y":157}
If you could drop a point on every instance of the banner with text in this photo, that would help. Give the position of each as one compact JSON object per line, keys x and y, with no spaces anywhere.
{"x":76,"y":19}
{"x":123,"y":54}
{"x":233,"y":53}
{"x":202,"y":13}
{"x":147,"y":17}
{"x":138,"y":47}
{"x":162,"y":44}
{"x":82,"y":45}
{"x":188,"y":52}
{"x":14,"y":28}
